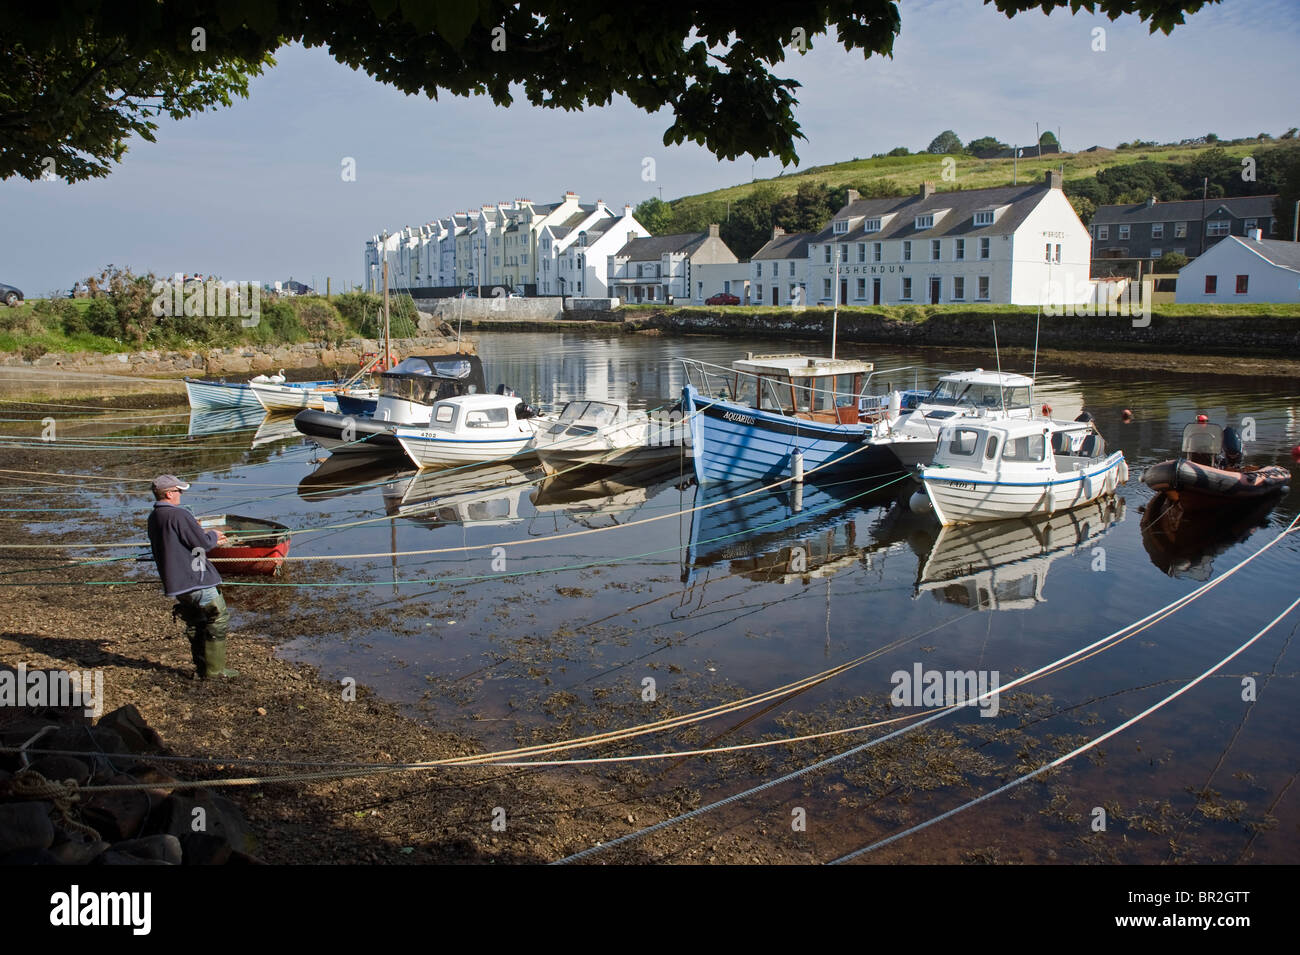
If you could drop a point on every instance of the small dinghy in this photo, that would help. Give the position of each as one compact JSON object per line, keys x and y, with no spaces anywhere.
{"x":1210,"y":473}
{"x":253,"y":545}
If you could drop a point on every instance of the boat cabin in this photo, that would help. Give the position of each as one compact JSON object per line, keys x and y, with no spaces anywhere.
{"x":814,"y":389}
{"x":582,"y":417}
{"x":995,"y":446}
{"x":421,"y":380}
{"x":471,"y":414}
{"x":980,"y":391}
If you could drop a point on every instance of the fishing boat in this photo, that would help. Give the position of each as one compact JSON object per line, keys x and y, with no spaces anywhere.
{"x":297,"y":395}
{"x":407,"y":394}
{"x":472,"y":429}
{"x":1210,"y":475}
{"x":253,"y":545}
{"x":205,"y":394}
{"x":989,"y":470}
{"x":1003,"y":565}
{"x":605,"y":436}
{"x":771,"y":416}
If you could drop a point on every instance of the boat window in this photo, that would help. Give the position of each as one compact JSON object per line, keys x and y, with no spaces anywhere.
{"x":844,"y":392}
{"x":991,"y":450}
{"x":1199,"y":438}
{"x":771,"y":397}
{"x":573,"y":411}
{"x":487,"y":418}
{"x":1029,"y":447}
{"x":1018,"y":397}
{"x":444,"y":414}
{"x":964,"y":442}
{"x":746,"y":389}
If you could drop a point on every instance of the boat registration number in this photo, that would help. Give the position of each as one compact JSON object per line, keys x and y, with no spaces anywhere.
{"x":961,"y":485}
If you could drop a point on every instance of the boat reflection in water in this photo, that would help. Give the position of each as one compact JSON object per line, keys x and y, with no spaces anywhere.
{"x":222,"y":420}
{"x":275,"y":427}
{"x":1184,"y":543}
{"x":791,"y":534}
{"x":341,"y":475}
{"x":1002,"y":565}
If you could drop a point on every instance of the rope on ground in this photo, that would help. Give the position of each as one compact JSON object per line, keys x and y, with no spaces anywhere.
{"x":1162,"y":613}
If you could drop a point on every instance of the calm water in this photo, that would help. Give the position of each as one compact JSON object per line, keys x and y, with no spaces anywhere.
{"x":547,"y":611}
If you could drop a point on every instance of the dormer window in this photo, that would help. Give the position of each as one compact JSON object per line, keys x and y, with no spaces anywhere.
{"x":925,"y":222}
{"x":984,"y":217}
{"x":871,"y":225}
{"x":841,"y":225}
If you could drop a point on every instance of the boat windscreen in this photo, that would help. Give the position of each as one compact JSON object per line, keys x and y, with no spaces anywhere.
{"x":1202,"y":438}
{"x":455,"y":368}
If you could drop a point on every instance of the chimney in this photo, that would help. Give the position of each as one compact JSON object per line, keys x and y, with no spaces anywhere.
{"x":1255,"y":235}
{"x":627,"y":209}
{"x":778,"y":231}
{"x":854,"y":195}
{"x":571,"y":194}
{"x":927,"y":189}
{"x":1151,"y":201}
{"x":713,"y":230}
{"x":1052,"y":178}
{"x":600,"y":205}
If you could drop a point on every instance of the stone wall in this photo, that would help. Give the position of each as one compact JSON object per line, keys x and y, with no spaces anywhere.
{"x":231,"y":361}
{"x":486,"y":309}
{"x":1212,"y":335}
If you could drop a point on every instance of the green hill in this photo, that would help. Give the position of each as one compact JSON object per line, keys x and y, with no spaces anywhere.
{"x":805,"y":200}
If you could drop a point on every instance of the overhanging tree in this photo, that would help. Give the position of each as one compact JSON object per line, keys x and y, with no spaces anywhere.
{"x":79,"y":79}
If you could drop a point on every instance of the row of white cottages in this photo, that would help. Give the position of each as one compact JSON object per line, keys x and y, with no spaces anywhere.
{"x":1021,"y":245}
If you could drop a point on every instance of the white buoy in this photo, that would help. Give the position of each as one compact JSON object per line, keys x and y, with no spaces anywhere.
{"x":895,"y":405}
{"x":920,"y":503}
{"x":796,"y":502}
{"x":796,"y":466}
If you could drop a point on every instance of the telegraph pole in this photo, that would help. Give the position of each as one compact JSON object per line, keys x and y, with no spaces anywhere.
{"x":387,"y":347}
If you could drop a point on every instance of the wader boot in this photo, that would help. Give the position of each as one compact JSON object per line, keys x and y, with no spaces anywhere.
{"x":195,"y":619}
{"x":216,"y":625}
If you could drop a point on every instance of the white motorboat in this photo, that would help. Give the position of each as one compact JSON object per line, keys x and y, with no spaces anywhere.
{"x":604,"y":435}
{"x":989,"y":470}
{"x":914,"y":435}
{"x":472,"y":429}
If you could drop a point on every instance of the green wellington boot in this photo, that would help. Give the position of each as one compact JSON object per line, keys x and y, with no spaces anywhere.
{"x":215,"y":660}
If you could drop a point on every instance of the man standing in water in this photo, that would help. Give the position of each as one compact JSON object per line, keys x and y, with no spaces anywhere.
{"x":180,"y":549}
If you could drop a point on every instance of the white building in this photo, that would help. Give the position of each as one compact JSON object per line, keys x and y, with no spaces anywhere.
{"x":778,"y":272}
{"x":581,"y":264}
{"x":1008,"y":244}
{"x":555,"y":237}
{"x":659,"y":268}
{"x":1253,"y":269}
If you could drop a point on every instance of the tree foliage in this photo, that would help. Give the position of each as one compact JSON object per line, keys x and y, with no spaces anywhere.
{"x":79,"y":79}
{"x":946,"y":142}
{"x":986,"y":146}
{"x":655,"y":215}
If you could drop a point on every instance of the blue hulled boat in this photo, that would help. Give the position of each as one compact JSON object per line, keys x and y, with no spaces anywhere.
{"x":748,"y":422}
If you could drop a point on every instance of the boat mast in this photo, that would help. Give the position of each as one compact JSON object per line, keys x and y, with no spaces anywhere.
{"x":1001,"y":393}
{"x":835,"y":314}
{"x":388,"y":357}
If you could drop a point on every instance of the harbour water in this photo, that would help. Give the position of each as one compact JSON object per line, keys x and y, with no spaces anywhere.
{"x":524,"y":613}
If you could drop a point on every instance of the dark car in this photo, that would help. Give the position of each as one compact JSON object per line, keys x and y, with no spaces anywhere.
{"x":10,"y":295}
{"x":722,"y":298}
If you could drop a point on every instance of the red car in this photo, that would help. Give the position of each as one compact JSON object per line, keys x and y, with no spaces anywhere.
{"x":722,"y":298}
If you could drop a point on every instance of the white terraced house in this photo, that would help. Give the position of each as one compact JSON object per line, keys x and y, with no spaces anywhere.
{"x":659,"y":268}
{"x":1008,"y":244}
{"x":579,"y":266}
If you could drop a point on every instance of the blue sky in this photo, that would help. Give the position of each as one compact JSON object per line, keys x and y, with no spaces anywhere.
{"x":254,"y":192}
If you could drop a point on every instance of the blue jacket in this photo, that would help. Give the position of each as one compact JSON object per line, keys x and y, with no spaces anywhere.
{"x":174,"y":535}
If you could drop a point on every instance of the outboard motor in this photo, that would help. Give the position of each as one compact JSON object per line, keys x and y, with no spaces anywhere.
{"x":523,"y":411}
{"x":1084,"y":417}
{"x":505,"y":392}
{"x":1232,"y":451}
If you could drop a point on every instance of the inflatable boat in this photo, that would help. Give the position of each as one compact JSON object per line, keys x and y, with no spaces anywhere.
{"x":1210,"y":473}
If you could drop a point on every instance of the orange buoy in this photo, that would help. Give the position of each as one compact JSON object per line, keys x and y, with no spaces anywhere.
{"x":1295,"y":453}
{"x":1047,"y":410}
{"x":1126,"y":415}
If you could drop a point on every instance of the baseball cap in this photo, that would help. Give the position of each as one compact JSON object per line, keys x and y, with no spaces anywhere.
{"x":165,"y":482}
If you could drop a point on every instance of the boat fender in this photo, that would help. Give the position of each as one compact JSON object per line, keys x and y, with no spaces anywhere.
{"x":1123,"y":473}
{"x":919,"y":503}
{"x":796,"y":466}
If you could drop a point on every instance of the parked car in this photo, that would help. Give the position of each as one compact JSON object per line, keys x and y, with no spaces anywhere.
{"x":722,"y":298}
{"x":10,"y":295}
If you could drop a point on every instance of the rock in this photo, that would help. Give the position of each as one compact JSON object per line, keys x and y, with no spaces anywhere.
{"x":117,"y":815}
{"x":161,"y":847}
{"x":78,"y":851}
{"x":138,"y":735}
{"x":59,"y":768}
{"x":25,"y":825}
{"x":209,"y":828}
